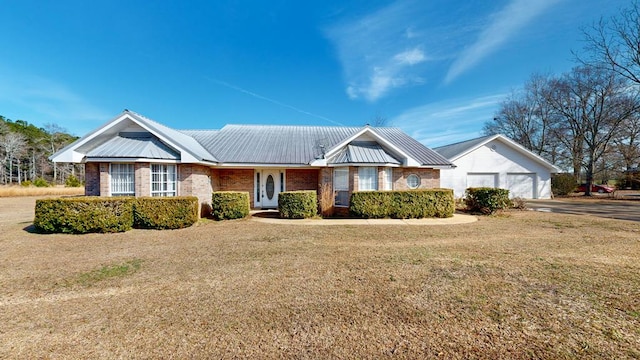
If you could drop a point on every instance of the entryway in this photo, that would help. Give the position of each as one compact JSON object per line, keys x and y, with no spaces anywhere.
{"x":268,"y":183}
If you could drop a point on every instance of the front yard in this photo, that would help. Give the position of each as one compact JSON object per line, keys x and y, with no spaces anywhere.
{"x":521,"y":285}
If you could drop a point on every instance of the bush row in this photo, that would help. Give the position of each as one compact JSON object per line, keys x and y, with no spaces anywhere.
{"x":103,"y":215}
{"x":403,"y":204}
{"x":486,"y":200}
{"x":298,"y":204}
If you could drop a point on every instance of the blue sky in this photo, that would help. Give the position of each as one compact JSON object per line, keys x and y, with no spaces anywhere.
{"x":438,"y":69}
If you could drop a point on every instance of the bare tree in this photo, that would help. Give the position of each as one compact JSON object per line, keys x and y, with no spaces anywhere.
{"x":13,"y":145}
{"x":54,"y":131}
{"x":615,"y":44}
{"x":526,"y":117}
{"x":592,"y":104}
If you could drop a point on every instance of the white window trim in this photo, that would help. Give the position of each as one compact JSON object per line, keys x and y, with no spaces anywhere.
{"x":163,"y":193}
{"x":361,"y":171}
{"x":388,"y":179}
{"x":133,"y":185}
{"x":417,"y":177}
{"x":336,"y":189}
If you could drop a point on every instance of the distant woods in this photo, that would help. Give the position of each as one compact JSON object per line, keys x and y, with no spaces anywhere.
{"x":587,"y":120}
{"x":24,"y":152}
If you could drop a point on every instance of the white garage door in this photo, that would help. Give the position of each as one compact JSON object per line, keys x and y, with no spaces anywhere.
{"x":482,"y":180}
{"x":522,"y":185}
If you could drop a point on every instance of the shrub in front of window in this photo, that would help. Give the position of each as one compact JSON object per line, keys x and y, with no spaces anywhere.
{"x":486,"y":200}
{"x":84,"y":215}
{"x":165,"y":212}
{"x":298,"y":204}
{"x":411,"y":204}
{"x":227,"y":205}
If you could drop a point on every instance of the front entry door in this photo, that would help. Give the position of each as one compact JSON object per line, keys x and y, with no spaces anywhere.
{"x":270,"y":187}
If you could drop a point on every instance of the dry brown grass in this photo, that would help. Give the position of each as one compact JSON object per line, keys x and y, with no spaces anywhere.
{"x":16,"y":190}
{"x":517,"y":285}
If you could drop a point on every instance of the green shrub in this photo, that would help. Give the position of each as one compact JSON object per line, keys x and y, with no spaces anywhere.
{"x":487,"y":200}
{"x":412,"y":204}
{"x":298,"y":204}
{"x":72,"y":181}
{"x":563,"y":184}
{"x":230,"y":204}
{"x":165,"y":212}
{"x":40,"y":182}
{"x":84,"y":215}
{"x":26,"y":183}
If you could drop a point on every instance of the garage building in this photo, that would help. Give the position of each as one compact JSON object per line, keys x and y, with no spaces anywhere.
{"x":496,"y":161}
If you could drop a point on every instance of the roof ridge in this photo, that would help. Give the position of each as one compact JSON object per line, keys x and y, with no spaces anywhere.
{"x":465,"y":141}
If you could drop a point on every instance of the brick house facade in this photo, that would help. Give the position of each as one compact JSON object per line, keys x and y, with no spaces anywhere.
{"x":133,"y":155}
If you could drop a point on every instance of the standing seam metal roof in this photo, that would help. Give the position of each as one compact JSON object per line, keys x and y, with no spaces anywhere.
{"x":279,"y":144}
{"x":134,"y":146}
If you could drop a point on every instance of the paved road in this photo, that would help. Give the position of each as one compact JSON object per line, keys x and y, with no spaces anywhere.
{"x":616,"y":209}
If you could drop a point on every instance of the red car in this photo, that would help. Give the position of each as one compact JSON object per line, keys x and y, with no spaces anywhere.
{"x":596,"y":188}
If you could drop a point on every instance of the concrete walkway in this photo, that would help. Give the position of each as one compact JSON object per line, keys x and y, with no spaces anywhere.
{"x":271,"y":217}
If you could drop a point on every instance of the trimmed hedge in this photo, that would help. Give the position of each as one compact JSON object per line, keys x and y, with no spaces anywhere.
{"x":410,"y":204}
{"x":230,"y":205}
{"x":84,"y":215}
{"x":298,"y":204}
{"x":486,"y":200}
{"x":165,"y":212}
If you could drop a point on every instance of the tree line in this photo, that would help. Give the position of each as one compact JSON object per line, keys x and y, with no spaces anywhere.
{"x":587,"y":120}
{"x":24,"y":152}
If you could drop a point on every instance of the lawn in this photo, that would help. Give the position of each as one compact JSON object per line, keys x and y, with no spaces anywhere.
{"x":518,"y":285}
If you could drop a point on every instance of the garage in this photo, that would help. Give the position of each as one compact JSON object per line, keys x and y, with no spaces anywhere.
{"x":499,"y":162}
{"x":522,"y":185}
{"x":482,"y":180}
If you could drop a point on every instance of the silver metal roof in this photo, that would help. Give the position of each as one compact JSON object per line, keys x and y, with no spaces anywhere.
{"x":185,"y":141}
{"x":134,"y":145}
{"x":453,"y":150}
{"x":279,"y":144}
{"x":364,"y":152}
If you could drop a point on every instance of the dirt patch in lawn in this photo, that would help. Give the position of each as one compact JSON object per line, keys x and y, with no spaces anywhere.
{"x":517,"y":285}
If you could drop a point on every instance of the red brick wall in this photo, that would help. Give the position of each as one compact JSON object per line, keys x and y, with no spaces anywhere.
{"x":301,"y":179}
{"x":429,"y":178}
{"x":92,"y":179}
{"x":234,"y":180}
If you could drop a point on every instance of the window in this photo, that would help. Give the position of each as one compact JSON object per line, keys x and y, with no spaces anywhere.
{"x":367,"y":178}
{"x":341,"y":186}
{"x":163,"y":180}
{"x":122,"y":180}
{"x":388,"y":178}
{"x":413,"y":181}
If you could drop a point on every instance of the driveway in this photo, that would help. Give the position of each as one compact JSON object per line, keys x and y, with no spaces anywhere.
{"x":615,"y":209}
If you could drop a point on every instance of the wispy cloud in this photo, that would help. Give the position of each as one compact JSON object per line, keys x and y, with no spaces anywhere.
{"x":503,"y":26}
{"x":383,"y":50}
{"x":446,"y":122}
{"x":48,"y":101}
{"x":411,"y":42}
{"x":279,"y":103}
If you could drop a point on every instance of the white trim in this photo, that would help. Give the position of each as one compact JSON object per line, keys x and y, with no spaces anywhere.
{"x":514,"y":145}
{"x":408,"y":160}
{"x":131,"y":160}
{"x":257,"y":192}
{"x":176,"y":180}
